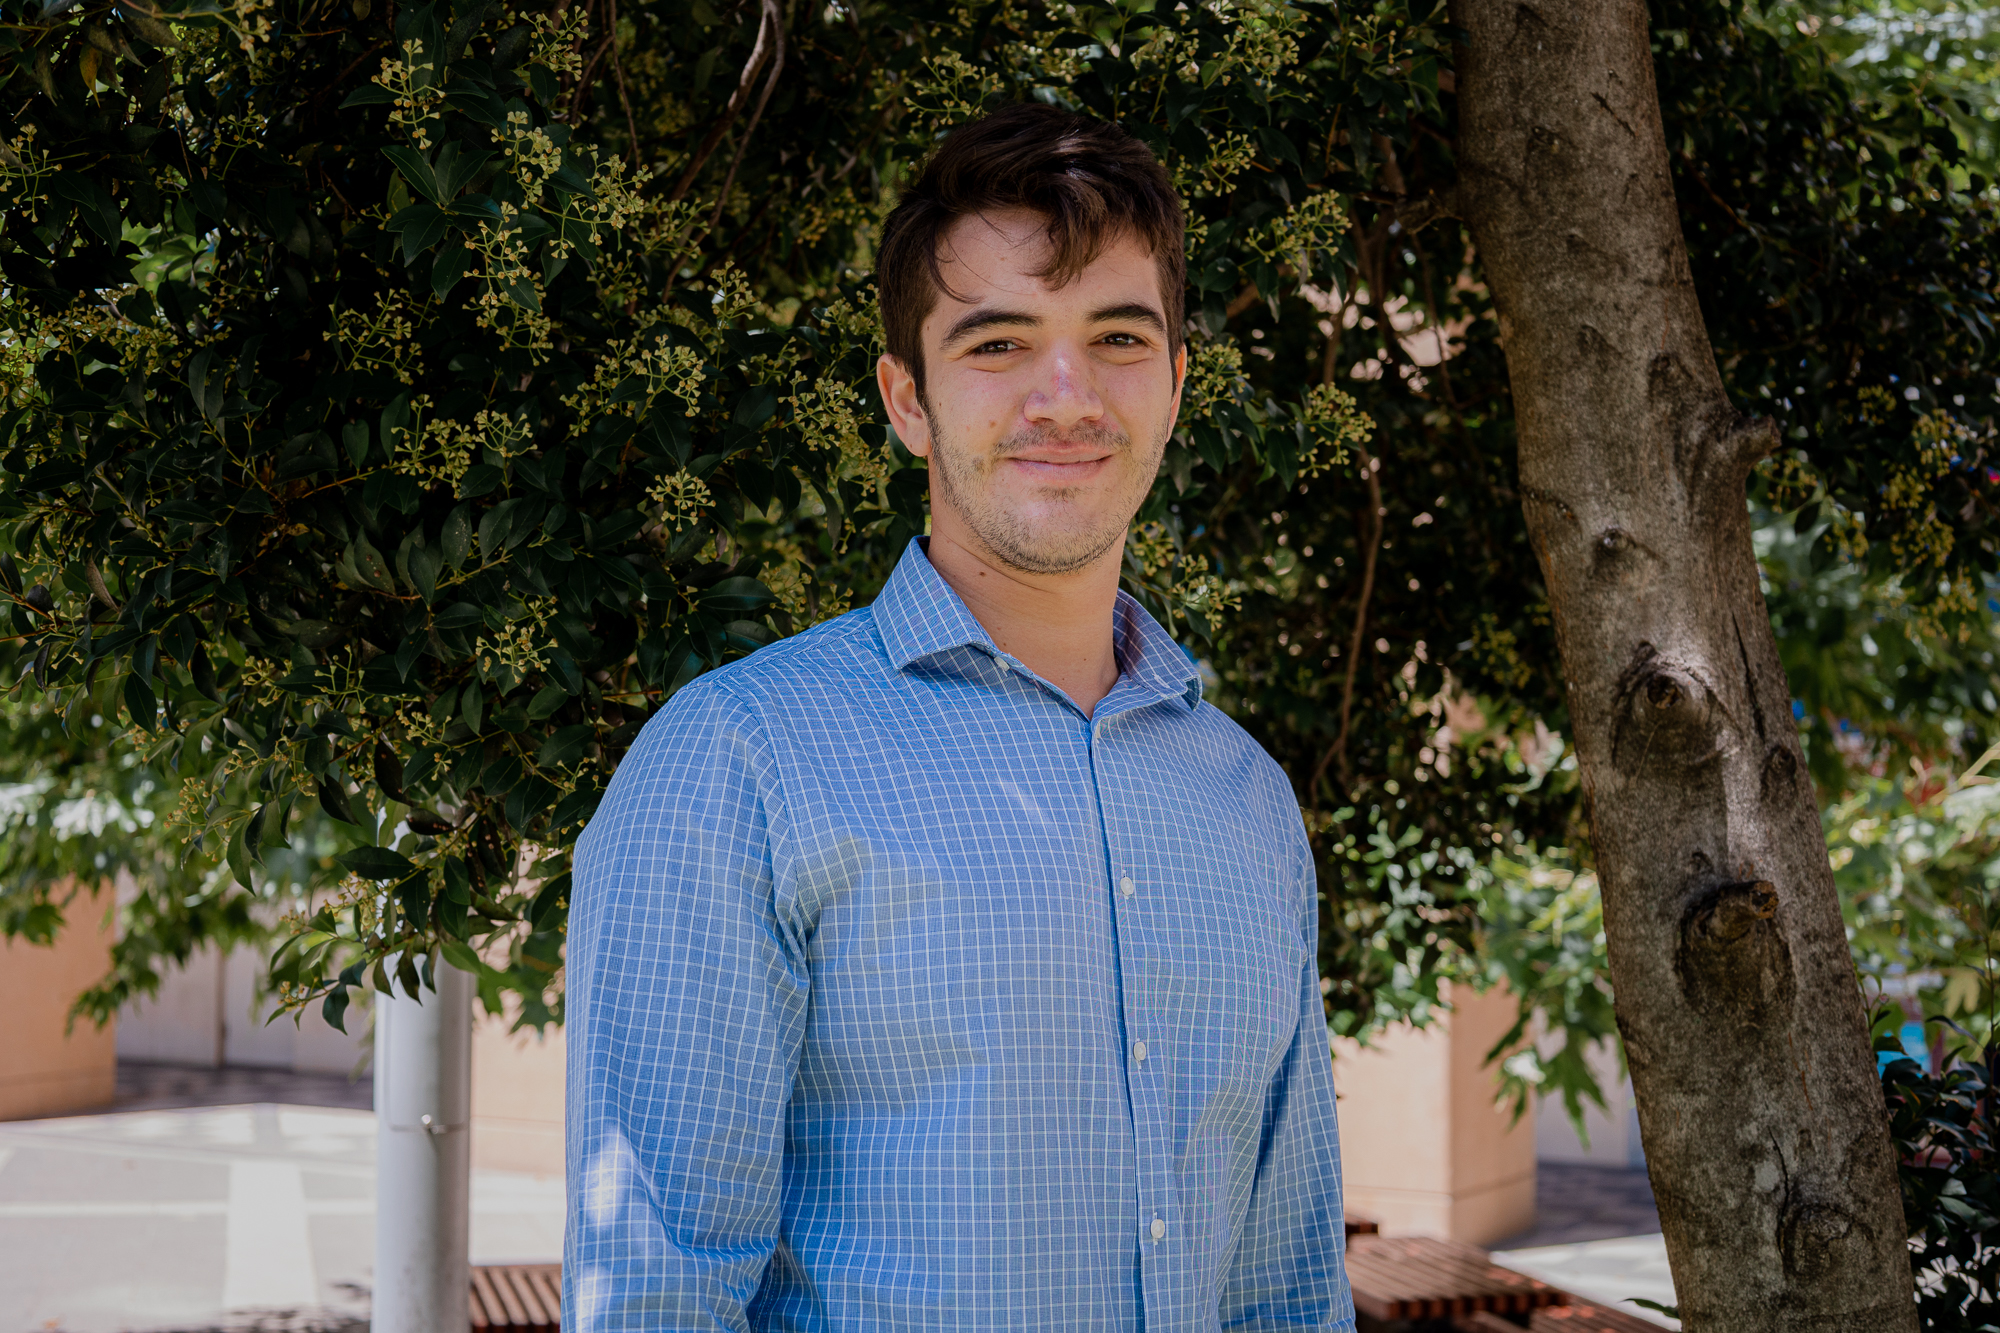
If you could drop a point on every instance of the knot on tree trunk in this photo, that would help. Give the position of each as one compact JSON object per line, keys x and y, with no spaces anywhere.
{"x":1715,"y":446}
{"x":1666,"y":713}
{"x":1733,"y":962}
{"x":1737,"y":908}
{"x":1810,"y":1236}
{"x":1780,"y":773}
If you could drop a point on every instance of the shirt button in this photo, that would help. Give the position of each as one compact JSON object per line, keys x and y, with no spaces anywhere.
{"x":1159,"y":1229}
{"x":1125,"y":886}
{"x":1139,"y":1053}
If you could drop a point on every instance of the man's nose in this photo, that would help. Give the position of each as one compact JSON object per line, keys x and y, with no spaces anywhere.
{"x":1067,"y":391}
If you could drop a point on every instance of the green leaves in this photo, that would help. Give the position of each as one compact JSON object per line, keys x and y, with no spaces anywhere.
{"x":93,"y":203}
{"x":425,"y":564}
{"x":736,"y":594}
{"x":416,"y":169}
{"x":362,"y":566}
{"x":566,"y":746}
{"x":472,"y":706}
{"x":459,"y":615}
{"x":380,"y":863}
{"x":208,"y":399}
{"x":1852,"y":276}
{"x":755,"y":406}
{"x":456,"y":540}
{"x":334,"y":800}
{"x":1943,"y":1130}
{"x":368,"y":94}
{"x":140,"y":703}
{"x":448,"y":266}
{"x":457,"y":167}
{"x":420,"y":226}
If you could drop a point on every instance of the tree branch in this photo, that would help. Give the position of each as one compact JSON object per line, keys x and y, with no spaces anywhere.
{"x":759,"y":53}
{"x":1372,"y":544}
{"x":1750,"y":439}
{"x":1337,"y":754}
{"x":1241,"y":302}
{"x":618,"y":78}
{"x":585,"y":80}
{"x":1415,"y":216}
{"x":777,"y":25}
{"x":1687,"y":165}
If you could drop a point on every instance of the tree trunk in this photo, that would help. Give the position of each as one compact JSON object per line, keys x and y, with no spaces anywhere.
{"x":1762,"y":1119}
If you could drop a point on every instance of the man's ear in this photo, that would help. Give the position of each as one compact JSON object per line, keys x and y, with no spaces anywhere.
{"x":1180,"y":378}
{"x":905,"y":409}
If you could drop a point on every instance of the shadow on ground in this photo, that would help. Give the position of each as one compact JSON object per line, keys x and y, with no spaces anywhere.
{"x":272,"y":1321}
{"x":145,"y":1086}
{"x":1575,"y":1203}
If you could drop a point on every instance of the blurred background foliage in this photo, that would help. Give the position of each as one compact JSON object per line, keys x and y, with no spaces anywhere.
{"x":1942,"y":1120}
{"x":402,"y":401}
{"x":1948,"y":48}
{"x":83,"y":831}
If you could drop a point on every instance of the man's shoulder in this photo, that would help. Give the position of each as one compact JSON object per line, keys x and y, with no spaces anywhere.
{"x":816,"y":665}
{"x":1250,"y":770}
{"x":1227,"y":737}
{"x":833,"y":655}
{"x":717,"y":729}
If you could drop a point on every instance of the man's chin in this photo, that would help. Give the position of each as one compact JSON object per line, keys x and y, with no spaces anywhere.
{"x":1035,"y":548}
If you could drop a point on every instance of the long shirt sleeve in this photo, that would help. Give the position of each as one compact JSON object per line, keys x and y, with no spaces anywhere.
{"x":686,"y":1007}
{"x":1289,"y":1267}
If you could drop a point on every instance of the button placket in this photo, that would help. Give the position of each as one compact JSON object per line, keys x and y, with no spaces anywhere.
{"x":1153,"y":1164}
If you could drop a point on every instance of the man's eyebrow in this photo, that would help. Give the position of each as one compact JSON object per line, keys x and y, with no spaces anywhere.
{"x":980,"y":320}
{"x":1132,"y":310}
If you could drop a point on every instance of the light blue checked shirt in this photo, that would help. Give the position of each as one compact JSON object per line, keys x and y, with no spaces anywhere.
{"x":902,"y":996}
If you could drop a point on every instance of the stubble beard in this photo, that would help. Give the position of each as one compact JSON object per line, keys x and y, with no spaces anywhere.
{"x":1051,"y":545}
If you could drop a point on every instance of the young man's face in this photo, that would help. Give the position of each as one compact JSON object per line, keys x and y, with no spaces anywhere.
{"x":1044,"y":411}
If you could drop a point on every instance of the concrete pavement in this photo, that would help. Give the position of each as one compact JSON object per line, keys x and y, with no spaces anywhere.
{"x":259,"y":1216}
{"x":1609,"y":1271}
{"x":256,"y":1216}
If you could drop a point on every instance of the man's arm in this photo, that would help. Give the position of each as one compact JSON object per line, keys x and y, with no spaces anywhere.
{"x":1290,"y":1270}
{"x":686,"y":1007}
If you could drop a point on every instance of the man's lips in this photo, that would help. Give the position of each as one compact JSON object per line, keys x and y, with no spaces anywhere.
{"x":1066,"y":468}
{"x":1057,"y":463}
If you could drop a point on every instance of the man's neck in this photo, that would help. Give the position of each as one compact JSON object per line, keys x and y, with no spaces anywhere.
{"x":1057,"y":625}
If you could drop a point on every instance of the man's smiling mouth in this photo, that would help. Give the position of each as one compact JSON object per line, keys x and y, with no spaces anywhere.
{"x":1065,"y":469}
{"x":1062,"y":461}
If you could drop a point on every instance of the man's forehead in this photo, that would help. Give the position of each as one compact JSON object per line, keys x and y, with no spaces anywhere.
{"x":1019,"y":236}
{"x":983,"y":255}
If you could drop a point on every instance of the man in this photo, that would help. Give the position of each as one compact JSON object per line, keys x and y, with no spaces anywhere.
{"x":952,"y":964}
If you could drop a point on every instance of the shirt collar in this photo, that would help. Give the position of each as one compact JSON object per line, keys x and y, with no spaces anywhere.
{"x":918,"y":615}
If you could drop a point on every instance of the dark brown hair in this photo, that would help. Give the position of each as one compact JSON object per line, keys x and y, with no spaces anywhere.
{"x":1091,"y":180}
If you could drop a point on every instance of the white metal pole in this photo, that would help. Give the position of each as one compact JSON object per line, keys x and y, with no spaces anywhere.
{"x":423,"y":1163}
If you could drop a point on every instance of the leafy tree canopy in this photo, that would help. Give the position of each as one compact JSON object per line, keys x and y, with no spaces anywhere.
{"x":384,"y":446}
{"x":402,"y":402}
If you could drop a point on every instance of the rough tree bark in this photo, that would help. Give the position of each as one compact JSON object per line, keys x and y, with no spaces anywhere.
{"x":1761,"y":1116}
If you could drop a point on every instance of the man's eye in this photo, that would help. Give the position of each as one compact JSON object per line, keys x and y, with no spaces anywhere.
{"x":998,"y":345}
{"x":1122,"y":339}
